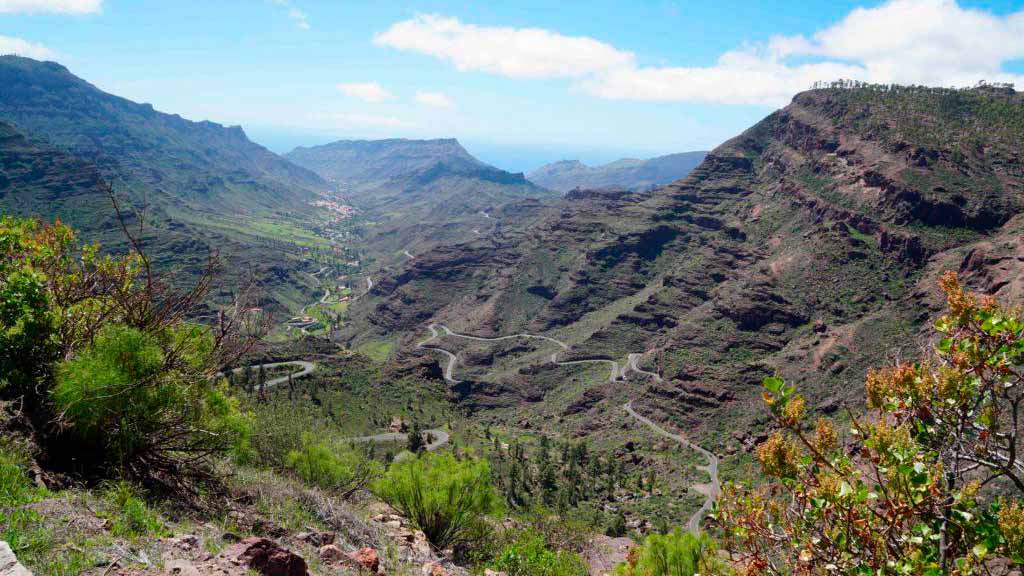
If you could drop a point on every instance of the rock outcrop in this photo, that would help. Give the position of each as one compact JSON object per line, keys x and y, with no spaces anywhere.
{"x":9,"y":565}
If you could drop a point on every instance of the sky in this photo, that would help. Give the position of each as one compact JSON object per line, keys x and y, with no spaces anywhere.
{"x":519,"y":83}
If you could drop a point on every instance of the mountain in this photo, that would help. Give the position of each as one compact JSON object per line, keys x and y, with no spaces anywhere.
{"x":200,"y":187}
{"x":625,"y":174}
{"x":421,"y":193}
{"x":201,"y":164}
{"x":365,"y":161}
{"x":807,"y":246}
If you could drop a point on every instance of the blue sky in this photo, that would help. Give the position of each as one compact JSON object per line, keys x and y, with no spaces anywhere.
{"x":519,"y":83}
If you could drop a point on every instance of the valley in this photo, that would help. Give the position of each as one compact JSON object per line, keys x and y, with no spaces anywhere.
{"x":586,"y":353}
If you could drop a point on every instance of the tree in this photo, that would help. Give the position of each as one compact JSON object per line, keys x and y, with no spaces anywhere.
{"x":617,"y":526}
{"x":414,"y":441}
{"x":903,"y":495}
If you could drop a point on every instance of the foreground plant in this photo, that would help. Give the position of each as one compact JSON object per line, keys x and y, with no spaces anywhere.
{"x":100,"y":353}
{"x":928,"y":482}
{"x":342,"y":469}
{"x":674,"y":554}
{"x":529,"y":555}
{"x":444,"y":496}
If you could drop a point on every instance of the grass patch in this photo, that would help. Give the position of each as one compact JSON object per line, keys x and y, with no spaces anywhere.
{"x":378,"y":350}
{"x":130,"y":517}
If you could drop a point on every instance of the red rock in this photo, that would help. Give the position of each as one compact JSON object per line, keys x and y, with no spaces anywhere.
{"x":434,"y":569}
{"x":266,"y":557}
{"x":366,"y":558}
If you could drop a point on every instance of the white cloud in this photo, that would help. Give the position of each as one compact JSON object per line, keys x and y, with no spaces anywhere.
{"x":739,"y":78}
{"x":923,"y":41}
{"x":435,"y":99}
{"x":932,"y":42}
{"x":55,"y":6}
{"x":515,"y":52}
{"x":300,"y":18}
{"x":366,"y":91}
{"x":9,"y":45}
{"x":358,"y":120}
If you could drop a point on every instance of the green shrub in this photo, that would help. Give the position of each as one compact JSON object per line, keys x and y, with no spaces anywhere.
{"x":340,"y":468}
{"x":27,"y":346}
{"x":123,"y":398}
{"x":279,"y":430}
{"x":529,"y":555}
{"x":616,"y":527}
{"x":130,"y":517}
{"x":674,"y":554}
{"x":444,"y":496}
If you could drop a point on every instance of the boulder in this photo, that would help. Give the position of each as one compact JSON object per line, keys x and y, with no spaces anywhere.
{"x":9,"y":565}
{"x":266,"y":557}
{"x":316,"y":538}
{"x":329,"y":553}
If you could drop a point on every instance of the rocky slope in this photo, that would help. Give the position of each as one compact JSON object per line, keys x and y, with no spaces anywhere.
{"x":809,"y":245}
{"x":200,"y":187}
{"x":625,"y":174}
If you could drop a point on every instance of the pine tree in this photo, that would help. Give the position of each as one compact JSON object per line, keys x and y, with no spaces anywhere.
{"x":415,"y":442}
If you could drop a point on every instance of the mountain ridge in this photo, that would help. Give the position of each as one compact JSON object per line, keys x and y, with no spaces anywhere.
{"x":626,"y":173}
{"x":150,"y":151}
{"x":363,"y":161}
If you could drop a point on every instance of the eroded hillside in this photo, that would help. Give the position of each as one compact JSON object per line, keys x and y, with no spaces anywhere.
{"x":808,"y":245}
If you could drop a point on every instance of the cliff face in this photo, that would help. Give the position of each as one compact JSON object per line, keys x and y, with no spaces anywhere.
{"x":808,"y":245}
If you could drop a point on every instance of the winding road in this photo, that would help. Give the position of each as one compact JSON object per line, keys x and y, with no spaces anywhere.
{"x":307,"y":368}
{"x":440,"y":438}
{"x":615,"y":376}
{"x":711,"y":491}
{"x":440,"y":435}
